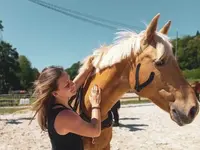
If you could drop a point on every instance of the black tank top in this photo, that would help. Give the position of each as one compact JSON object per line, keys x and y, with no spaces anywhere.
{"x":70,"y":141}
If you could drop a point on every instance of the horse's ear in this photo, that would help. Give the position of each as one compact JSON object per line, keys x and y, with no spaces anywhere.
{"x":165,"y":28}
{"x":150,"y":31}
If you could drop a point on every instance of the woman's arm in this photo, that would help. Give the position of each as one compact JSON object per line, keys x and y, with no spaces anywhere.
{"x":81,"y":77}
{"x":68,"y":121}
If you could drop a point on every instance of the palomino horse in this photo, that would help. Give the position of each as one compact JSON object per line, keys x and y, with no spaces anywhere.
{"x":196,"y":88}
{"x":145,"y":63}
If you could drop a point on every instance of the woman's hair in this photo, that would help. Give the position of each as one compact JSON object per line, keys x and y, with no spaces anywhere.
{"x":44,"y":86}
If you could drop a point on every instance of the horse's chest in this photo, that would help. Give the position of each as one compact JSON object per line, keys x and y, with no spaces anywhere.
{"x":99,"y":142}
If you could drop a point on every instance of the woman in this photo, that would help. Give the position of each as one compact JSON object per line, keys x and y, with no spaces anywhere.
{"x":115,"y":112}
{"x":65,"y":127}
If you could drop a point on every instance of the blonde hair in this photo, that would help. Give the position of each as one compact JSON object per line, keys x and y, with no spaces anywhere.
{"x":44,"y":86}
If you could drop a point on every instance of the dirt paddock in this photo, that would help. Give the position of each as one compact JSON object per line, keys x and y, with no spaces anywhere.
{"x":142,"y":127}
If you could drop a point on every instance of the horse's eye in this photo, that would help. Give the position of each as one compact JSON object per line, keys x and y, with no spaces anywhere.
{"x":160,"y":62}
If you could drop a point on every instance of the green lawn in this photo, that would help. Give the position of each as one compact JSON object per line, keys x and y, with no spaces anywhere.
{"x":192,"y":80}
{"x":11,"y":110}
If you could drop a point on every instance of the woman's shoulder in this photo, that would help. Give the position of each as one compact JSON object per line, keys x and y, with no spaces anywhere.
{"x":58,"y":110}
{"x":67,"y":114}
{"x":67,"y":120}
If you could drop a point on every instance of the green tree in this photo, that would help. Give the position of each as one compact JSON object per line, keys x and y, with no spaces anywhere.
{"x":1,"y":26}
{"x":73,"y":70}
{"x":26,"y":72}
{"x":15,"y":72}
{"x":1,"y":29}
{"x":197,"y":34}
{"x":188,"y":52}
{"x":35,"y":73}
{"x":9,"y":66}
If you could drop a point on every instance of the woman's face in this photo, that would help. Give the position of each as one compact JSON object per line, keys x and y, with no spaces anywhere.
{"x":66,"y":88}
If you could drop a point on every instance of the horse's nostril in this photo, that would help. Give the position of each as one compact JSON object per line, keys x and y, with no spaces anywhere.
{"x":192,"y":112}
{"x":174,"y":112}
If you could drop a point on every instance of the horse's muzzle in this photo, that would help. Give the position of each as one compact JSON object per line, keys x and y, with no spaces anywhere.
{"x":183,"y":117}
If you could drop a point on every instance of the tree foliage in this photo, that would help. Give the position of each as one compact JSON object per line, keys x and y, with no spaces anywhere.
{"x":9,"y":67}
{"x":1,"y":26}
{"x":16,"y":72}
{"x":189,"y":52}
{"x":73,"y":70}
{"x":27,"y":74}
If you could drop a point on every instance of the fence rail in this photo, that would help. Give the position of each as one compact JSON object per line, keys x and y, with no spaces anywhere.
{"x":10,"y":102}
{"x":24,"y":99}
{"x":14,"y":96}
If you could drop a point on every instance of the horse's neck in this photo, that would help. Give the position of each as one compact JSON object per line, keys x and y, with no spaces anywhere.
{"x":114,"y":82}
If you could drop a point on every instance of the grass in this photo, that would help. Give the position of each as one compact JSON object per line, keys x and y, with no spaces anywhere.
{"x":192,"y":80}
{"x":11,"y":110}
{"x":6,"y":98}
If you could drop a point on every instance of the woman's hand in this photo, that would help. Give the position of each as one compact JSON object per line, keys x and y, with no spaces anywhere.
{"x":89,"y":63}
{"x":95,"y":96}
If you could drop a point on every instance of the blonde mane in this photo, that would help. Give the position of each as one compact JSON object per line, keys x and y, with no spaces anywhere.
{"x":126,"y":43}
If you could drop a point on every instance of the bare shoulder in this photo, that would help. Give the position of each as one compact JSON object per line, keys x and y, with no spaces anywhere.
{"x":68,"y":121}
{"x":65,"y":121}
{"x":67,"y":115}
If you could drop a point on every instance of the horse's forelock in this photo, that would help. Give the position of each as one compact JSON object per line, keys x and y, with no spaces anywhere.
{"x":163,"y":46}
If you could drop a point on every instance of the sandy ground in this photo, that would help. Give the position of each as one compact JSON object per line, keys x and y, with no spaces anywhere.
{"x":143,"y":127}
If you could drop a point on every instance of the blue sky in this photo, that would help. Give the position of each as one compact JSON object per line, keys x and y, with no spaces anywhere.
{"x":48,"y":38}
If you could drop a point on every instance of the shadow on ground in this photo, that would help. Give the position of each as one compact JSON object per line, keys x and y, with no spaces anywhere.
{"x":16,"y":121}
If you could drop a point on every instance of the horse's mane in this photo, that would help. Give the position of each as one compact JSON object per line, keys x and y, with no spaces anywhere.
{"x":126,"y":43}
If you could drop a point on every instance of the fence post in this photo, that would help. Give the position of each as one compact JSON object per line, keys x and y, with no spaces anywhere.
{"x":139,"y":98}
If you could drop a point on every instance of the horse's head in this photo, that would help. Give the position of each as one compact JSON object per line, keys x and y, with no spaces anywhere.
{"x":167,"y":87}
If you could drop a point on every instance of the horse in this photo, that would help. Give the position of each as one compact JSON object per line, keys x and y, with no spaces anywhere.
{"x":196,"y":88}
{"x":144,"y":63}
